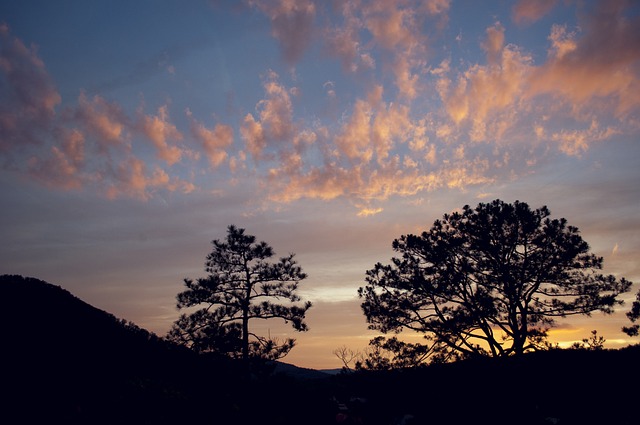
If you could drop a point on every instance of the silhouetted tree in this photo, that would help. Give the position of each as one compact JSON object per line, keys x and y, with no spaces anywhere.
{"x":595,"y":342}
{"x":392,"y":353}
{"x":633,"y":315}
{"x":347,"y":356}
{"x":488,"y":281}
{"x":241,"y":286}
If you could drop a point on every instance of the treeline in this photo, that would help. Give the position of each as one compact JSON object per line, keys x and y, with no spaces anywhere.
{"x":68,"y":362}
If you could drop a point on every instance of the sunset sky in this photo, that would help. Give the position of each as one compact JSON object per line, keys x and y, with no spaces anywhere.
{"x":132,"y":133}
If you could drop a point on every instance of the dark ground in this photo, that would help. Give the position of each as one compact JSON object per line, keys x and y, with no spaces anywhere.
{"x":66,"y":362}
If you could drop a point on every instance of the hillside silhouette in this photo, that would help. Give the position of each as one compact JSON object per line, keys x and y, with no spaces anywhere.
{"x":69,"y":362}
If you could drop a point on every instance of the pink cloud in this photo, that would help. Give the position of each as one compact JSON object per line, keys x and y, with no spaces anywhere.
{"x":487,"y":96}
{"x":274,"y":127}
{"x":407,"y":81}
{"x":600,"y":66}
{"x":253,"y":135}
{"x":391,"y":26}
{"x":354,"y":139}
{"x":397,"y":28}
{"x":161,"y":132}
{"x":291,"y":24}
{"x":344,"y":43}
{"x":131,"y":178}
{"x":391,"y":126}
{"x":436,"y":7}
{"x":328,"y":182}
{"x":29,"y":97}
{"x":104,"y":121}
{"x":88,"y":145}
{"x":575,"y":142}
{"x":215,"y":141}
{"x":529,"y":11}
{"x":63,"y":167}
{"x":494,"y":43}
{"x":365,"y":184}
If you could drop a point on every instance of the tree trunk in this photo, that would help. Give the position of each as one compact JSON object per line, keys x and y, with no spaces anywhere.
{"x":245,"y":321}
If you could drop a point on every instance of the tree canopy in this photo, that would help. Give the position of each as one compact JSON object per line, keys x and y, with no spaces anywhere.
{"x":241,"y":286}
{"x":490,"y":280}
{"x":633,"y":315}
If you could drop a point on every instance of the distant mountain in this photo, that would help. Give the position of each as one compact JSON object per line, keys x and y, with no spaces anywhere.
{"x":299,"y":372}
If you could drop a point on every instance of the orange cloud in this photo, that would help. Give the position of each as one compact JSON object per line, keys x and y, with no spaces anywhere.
{"x":326,"y":183}
{"x":406,"y":80}
{"x":391,"y":126}
{"x":213,"y":141}
{"x":274,"y":126}
{"x":592,"y":70}
{"x":103,"y":120}
{"x":253,"y":134}
{"x":529,"y":11}
{"x":391,"y":26}
{"x":575,"y":142}
{"x":354,"y":139}
{"x":488,"y":96}
{"x":396,"y":28}
{"x":160,"y":131}
{"x":361,"y":183}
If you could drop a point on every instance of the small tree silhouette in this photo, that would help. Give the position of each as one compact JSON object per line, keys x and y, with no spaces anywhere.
{"x":594,"y":342}
{"x":633,"y":315}
{"x":241,"y":286}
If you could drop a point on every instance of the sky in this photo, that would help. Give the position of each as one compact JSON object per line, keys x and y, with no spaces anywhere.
{"x":132,"y":134}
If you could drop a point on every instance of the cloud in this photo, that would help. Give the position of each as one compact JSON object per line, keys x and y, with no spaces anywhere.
{"x":104,"y":121}
{"x":214,"y":142}
{"x":436,"y":7}
{"x":366,"y":211}
{"x":88,"y":144}
{"x":253,"y":134}
{"x":575,"y":142}
{"x":391,"y":126}
{"x":488,"y":98}
{"x":396,"y":28}
{"x":274,"y":127}
{"x":390,"y":24}
{"x":343,"y":41}
{"x":29,"y":95}
{"x":160,"y":131}
{"x":291,"y":24}
{"x":354,"y":139}
{"x":595,"y":69}
{"x":63,"y":167}
{"x":131,"y":178}
{"x":529,"y":11}
{"x":494,"y":43}
{"x":485,"y":120}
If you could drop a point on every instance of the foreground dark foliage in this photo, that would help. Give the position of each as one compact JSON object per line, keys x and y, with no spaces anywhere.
{"x":68,"y":362}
